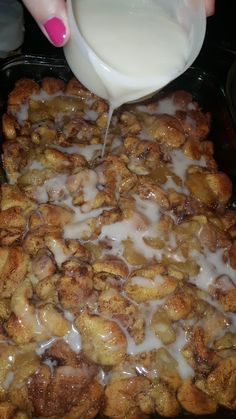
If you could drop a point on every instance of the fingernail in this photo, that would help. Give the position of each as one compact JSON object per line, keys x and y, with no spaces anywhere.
{"x":56,"y":31}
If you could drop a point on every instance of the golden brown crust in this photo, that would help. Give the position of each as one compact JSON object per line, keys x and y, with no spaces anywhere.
{"x":194,"y":400}
{"x":75,"y":88}
{"x":56,"y":394}
{"x":52,"y":85}
{"x":23,"y":90}
{"x":118,"y":406}
{"x":221,"y":383}
{"x":195,"y":123}
{"x":103,"y":340}
{"x":167,"y":130}
{"x":13,"y":268}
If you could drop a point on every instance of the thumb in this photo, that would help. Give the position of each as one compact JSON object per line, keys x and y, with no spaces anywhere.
{"x":210,"y":7}
{"x":51,"y":17}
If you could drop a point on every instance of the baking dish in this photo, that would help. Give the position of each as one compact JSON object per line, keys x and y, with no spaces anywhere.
{"x":231,"y":89}
{"x":203,"y":86}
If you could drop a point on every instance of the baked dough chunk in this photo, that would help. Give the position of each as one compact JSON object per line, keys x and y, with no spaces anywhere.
{"x":55,"y":393}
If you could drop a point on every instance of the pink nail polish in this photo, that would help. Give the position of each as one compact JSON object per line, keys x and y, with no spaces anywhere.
{"x":56,"y":30}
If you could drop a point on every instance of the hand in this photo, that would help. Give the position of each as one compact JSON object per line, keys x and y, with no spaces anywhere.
{"x":52,"y":18}
{"x":210,"y":7}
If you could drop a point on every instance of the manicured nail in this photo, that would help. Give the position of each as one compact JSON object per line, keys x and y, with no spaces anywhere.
{"x":56,"y":31}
